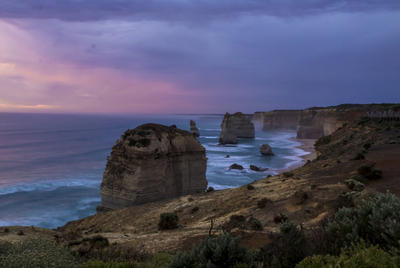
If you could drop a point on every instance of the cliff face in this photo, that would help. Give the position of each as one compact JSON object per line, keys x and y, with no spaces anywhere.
{"x":235,"y":126}
{"x":315,"y":123}
{"x":281,"y":119}
{"x":153,"y":162}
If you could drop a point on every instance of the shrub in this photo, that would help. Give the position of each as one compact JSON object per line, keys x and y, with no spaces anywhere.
{"x":280,"y":218}
{"x":221,"y":251}
{"x":369,"y":172}
{"x":102,"y":264}
{"x":324,"y":140}
{"x":359,"y":156}
{"x":367,"y":146}
{"x":160,"y":260}
{"x":288,"y":174}
{"x":263,"y":202}
{"x":347,"y":199}
{"x":250,"y":187}
{"x":194,"y":210}
{"x":357,"y":256}
{"x":288,"y":247}
{"x":376,"y":221}
{"x":354,"y":185}
{"x":36,"y":253}
{"x":235,"y":221}
{"x":300,"y":197}
{"x":254,"y":224}
{"x":168,"y":221}
{"x":210,"y":189}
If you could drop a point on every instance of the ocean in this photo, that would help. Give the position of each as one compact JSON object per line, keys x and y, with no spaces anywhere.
{"x":51,"y":166}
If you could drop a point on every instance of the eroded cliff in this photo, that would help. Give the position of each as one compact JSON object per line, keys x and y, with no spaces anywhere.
{"x":153,"y":162}
{"x":237,"y":125}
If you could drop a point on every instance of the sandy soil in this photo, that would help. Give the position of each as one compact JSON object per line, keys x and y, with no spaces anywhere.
{"x":308,"y":146}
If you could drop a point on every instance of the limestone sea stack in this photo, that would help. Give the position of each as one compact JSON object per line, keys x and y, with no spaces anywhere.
{"x":265,"y":149}
{"x":153,"y":162}
{"x":193,"y":129}
{"x":235,"y":126}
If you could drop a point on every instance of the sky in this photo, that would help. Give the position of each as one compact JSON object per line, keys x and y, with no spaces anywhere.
{"x":196,"y":56}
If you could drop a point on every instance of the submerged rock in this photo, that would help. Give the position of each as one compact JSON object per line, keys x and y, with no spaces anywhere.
{"x":153,"y":162}
{"x":255,"y":168}
{"x":193,"y":129}
{"x":236,"y":166}
{"x":265,"y":149}
{"x":235,"y":126}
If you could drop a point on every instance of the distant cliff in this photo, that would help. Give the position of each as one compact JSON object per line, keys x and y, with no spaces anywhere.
{"x":280,"y":119}
{"x":313,"y":123}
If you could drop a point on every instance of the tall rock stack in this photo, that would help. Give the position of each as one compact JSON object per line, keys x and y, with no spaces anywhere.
{"x":235,"y":126}
{"x":153,"y":162}
{"x":193,"y":129}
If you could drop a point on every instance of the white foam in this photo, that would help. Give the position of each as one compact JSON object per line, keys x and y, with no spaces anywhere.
{"x":48,"y":185}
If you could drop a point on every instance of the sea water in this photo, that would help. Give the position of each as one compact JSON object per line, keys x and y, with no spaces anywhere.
{"x":51,"y":166}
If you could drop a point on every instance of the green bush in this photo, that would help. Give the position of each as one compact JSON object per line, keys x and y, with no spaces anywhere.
{"x":250,"y":187}
{"x":254,"y":224}
{"x":324,"y":140}
{"x":367,"y":146}
{"x":288,"y":174}
{"x":288,"y":248}
{"x":160,"y":260}
{"x":263,"y":202}
{"x":359,"y":156}
{"x":221,"y":251}
{"x":168,"y":221}
{"x":101,"y":264}
{"x":194,"y":210}
{"x":354,"y":185}
{"x":376,"y":221}
{"x":355,"y":257}
{"x":210,"y":189}
{"x":369,"y":172}
{"x":36,"y":253}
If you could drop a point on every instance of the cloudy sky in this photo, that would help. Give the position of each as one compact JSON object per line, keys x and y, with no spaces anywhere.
{"x":196,"y":56}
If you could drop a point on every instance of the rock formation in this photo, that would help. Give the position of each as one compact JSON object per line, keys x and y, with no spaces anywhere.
{"x":258,"y":169}
{"x":235,"y":126}
{"x":281,"y":119}
{"x":317,"y":122}
{"x":265,"y":149}
{"x":153,"y":162}
{"x":193,"y":129}
{"x":236,"y":166}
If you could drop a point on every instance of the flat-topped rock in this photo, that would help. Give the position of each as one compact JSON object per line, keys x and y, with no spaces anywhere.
{"x":235,"y":126}
{"x":153,"y":162}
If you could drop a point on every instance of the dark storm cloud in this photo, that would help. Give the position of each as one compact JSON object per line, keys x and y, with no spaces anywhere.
{"x":222,"y":55}
{"x":87,"y":10}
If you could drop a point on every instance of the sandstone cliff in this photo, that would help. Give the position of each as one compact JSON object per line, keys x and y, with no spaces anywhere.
{"x":315,"y":123}
{"x":237,"y":125}
{"x":153,"y":162}
{"x":281,"y":119}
